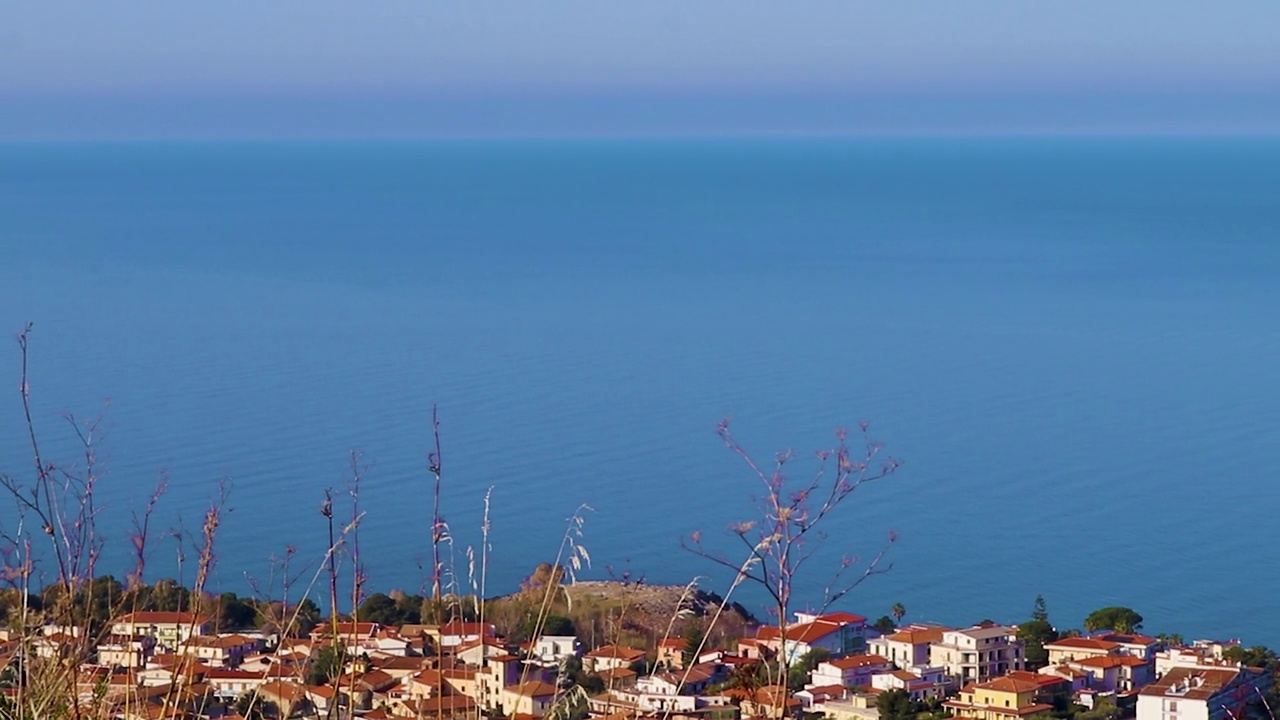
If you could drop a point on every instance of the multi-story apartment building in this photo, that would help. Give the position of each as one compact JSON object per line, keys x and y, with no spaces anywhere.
{"x":979,"y":653}
{"x":169,"y":629}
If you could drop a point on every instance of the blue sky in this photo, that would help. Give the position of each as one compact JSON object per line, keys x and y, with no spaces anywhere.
{"x":329,"y":68}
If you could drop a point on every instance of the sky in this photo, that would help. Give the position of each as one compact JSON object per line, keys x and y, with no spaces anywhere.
{"x":235,"y":68}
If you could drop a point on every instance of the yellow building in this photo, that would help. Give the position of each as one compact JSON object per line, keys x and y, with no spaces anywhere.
{"x":1016,"y":695}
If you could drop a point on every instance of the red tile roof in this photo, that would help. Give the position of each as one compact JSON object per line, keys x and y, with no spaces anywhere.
{"x":534,"y":689}
{"x":1200,"y":683}
{"x":1082,"y":643}
{"x":801,"y":633}
{"x":916,"y":636}
{"x":842,"y":617}
{"x":858,"y":661}
{"x":1110,"y":661}
{"x":1128,"y":638}
{"x":287,"y":691}
{"x":362,"y":629}
{"x":1020,"y":681}
{"x":618,"y":652}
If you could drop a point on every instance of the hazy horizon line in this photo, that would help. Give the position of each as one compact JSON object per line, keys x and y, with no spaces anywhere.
{"x":198,"y":116}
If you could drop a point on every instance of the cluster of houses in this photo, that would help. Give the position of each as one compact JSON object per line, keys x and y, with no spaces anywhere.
{"x":980,"y":673}
{"x":154,"y":665}
{"x":157,"y":664}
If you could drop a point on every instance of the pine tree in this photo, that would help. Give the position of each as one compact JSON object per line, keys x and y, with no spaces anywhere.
{"x":1040,"y":611}
{"x":693,"y":636}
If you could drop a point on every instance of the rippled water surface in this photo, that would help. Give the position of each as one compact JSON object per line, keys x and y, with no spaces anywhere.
{"x":1072,"y":345}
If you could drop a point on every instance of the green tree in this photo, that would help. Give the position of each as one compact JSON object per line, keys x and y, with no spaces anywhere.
{"x":694,"y":634}
{"x":1036,"y":633}
{"x":234,"y":613}
{"x":897,"y":611}
{"x":895,"y":705}
{"x":552,"y":625}
{"x":1256,"y":656}
{"x":1040,"y":610}
{"x":1105,"y":709}
{"x":248,"y":706}
{"x":558,"y":625}
{"x":884,"y":624}
{"x":572,"y":669}
{"x":799,"y":673}
{"x":410,"y":607}
{"x":326,"y":665}
{"x":1119,"y":619}
{"x":381,"y":609}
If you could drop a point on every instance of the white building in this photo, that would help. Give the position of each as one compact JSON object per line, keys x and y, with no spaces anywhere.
{"x":849,"y":671}
{"x":552,"y":649}
{"x":169,"y":629}
{"x":909,"y":646}
{"x":979,"y":653}
{"x":839,"y":633}
{"x":931,"y":683}
{"x":1203,"y":694}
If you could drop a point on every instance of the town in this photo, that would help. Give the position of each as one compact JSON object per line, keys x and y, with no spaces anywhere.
{"x":835,"y":664}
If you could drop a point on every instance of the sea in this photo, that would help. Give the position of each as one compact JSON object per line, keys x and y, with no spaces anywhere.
{"x":1070,"y":344}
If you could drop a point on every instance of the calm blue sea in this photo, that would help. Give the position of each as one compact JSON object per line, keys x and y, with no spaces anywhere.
{"x":1072,"y":344}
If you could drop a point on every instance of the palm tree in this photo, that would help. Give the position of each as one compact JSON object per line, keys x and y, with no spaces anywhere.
{"x":898,"y":611}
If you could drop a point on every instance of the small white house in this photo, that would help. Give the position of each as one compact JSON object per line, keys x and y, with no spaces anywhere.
{"x":553,"y":649}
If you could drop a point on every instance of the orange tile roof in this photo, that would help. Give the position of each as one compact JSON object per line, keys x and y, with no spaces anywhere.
{"x":800,"y":632}
{"x":827,"y":691}
{"x":345,"y":628}
{"x":323,"y":691}
{"x":534,"y":688}
{"x":1020,"y":681}
{"x":842,"y":617}
{"x":220,"y":641}
{"x":916,"y":636}
{"x":858,"y":661}
{"x":397,"y":662}
{"x":1128,"y":638}
{"x":1203,"y":683}
{"x":618,"y":652}
{"x":288,"y":691}
{"x":1082,"y":643}
{"x":1013,"y":685}
{"x":1110,"y":661}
